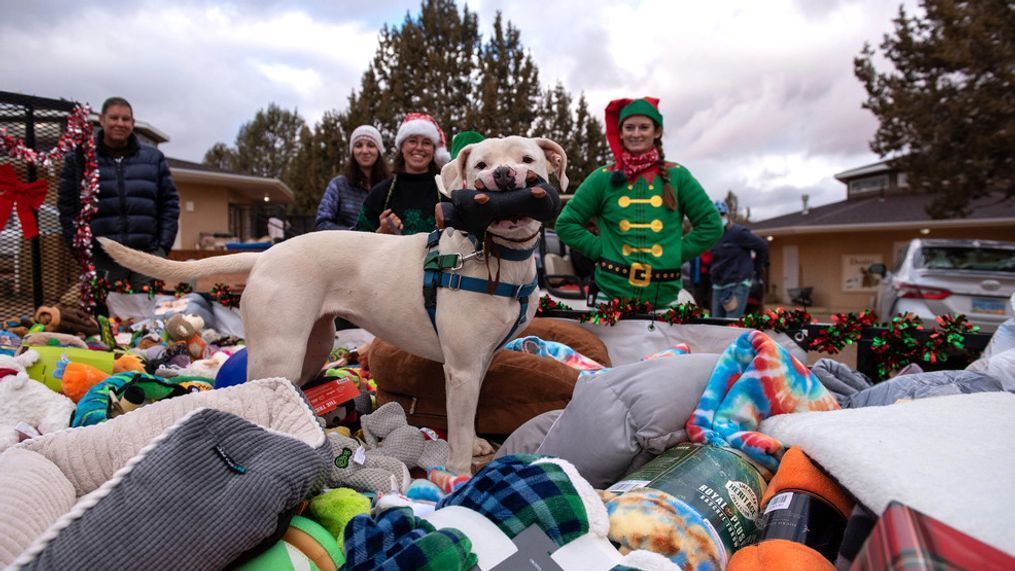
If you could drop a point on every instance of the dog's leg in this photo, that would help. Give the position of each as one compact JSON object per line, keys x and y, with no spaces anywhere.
{"x":462,"y":383}
{"x":277,"y":328}
{"x":319,"y":345}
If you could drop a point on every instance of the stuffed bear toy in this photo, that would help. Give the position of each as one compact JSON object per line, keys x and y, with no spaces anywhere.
{"x":387,"y":431}
{"x":24,"y":400}
{"x":186,"y":330}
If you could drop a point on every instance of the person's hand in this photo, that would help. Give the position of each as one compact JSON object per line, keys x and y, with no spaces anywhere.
{"x":390,"y":223}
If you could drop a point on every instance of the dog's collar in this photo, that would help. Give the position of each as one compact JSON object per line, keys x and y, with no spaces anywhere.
{"x":510,"y":254}
{"x":455,"y":261}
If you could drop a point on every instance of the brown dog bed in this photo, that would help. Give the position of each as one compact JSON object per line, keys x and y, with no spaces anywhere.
{"x":517,"y":387}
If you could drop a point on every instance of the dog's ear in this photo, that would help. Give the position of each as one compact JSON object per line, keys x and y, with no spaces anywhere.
{"x":447,"y":178}
{"x":452,"y":175}
{"x":556,"y":158}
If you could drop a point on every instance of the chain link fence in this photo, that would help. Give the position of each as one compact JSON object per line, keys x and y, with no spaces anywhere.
{"x":40,"y":271}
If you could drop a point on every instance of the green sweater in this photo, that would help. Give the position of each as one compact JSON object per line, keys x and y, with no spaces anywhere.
{"x":636,"y":227}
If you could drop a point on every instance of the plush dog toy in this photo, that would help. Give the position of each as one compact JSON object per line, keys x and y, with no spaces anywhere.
{"x":474,"y":210}
{"x":23,"y":400}
{"x":387,"y":431}
{"x":186,"y":330}
{"x":365,"y":470}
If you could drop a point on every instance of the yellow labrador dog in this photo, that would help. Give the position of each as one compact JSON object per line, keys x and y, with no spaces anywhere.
{"x":296,"y":288}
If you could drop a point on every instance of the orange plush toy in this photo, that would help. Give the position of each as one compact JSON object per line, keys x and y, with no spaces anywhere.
{"x":78,"y":378}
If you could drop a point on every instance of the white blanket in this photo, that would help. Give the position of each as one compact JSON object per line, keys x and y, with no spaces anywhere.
{"x":949,"y":457}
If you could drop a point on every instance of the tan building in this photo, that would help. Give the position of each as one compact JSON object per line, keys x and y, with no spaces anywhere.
{"x":218,"y":205}
{"x":830,"y":247}
{"x":214,"y":201}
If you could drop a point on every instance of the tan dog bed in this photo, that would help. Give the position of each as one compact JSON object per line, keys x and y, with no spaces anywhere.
{"x":517,"y":387}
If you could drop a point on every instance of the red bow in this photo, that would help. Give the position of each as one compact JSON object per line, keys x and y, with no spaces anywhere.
{"x":28,"y":196}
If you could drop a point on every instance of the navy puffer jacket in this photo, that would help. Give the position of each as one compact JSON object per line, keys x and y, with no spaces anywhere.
{"x":732,"y":261}
{"x":138,"y":203}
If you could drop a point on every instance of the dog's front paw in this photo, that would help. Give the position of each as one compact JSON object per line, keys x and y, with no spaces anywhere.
{"x":480,"y":447}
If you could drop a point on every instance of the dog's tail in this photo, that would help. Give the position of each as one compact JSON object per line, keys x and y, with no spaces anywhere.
{"x":173,"y":271}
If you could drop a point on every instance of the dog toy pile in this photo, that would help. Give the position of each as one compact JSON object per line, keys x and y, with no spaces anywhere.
{"x":734,"y":456}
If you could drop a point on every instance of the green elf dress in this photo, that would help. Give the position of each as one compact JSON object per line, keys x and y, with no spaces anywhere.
{"x":640,"y":246}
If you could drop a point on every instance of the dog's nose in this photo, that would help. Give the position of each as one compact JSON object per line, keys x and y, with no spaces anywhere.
{"x":504,"y":178}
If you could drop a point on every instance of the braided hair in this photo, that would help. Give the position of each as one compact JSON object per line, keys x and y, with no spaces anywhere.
{"x":669,"y":196}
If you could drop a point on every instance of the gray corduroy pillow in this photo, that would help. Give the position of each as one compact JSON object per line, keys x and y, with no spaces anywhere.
{"x":209,"y":488}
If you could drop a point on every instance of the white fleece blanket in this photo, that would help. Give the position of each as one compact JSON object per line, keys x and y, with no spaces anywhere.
{"x":43,"y":478}
{"x":950,"y":457}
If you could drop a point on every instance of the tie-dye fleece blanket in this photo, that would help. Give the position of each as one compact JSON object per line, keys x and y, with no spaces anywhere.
{"x":754,"y":379}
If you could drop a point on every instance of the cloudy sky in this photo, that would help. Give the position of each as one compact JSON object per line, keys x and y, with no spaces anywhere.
{"x":758,"y":97}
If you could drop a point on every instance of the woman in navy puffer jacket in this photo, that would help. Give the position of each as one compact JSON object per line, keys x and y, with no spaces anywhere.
{"x":138,"y":204}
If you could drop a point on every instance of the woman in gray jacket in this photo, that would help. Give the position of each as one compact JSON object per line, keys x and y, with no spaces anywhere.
{"x":344,"y":195}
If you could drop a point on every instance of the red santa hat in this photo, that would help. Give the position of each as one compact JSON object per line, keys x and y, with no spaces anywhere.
{"x":425,"y":125}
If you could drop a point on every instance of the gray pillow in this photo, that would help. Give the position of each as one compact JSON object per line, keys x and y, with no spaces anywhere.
{"x":207,"y":490}
{"x":527,"y":437}
{"x":626,"y":411}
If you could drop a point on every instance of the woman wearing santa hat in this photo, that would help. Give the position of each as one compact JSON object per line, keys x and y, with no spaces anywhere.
{"x":404,"y":204}
{"x":639,"y":202}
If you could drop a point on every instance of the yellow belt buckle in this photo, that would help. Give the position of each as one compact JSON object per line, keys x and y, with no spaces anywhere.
{"x":640,"y":274}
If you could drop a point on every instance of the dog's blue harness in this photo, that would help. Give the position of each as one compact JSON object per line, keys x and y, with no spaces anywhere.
{"x":440,"y":270}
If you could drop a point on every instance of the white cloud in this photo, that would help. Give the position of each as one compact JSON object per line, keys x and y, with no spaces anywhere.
{"x":759,"y":97}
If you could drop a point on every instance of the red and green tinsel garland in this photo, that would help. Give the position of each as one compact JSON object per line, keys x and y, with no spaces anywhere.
{"x":78,"y":134}
{"x":683,"y":313}
{"x":896,"y":345}
{"x":224,"y":295}
{"x":779,"y":320}
{"x":547,"y":303}
{"x":845,"y":329}
{"x":611,"y":312}
{"x":152,"y":288}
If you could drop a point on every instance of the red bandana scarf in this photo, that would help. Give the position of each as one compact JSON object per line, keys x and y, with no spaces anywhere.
{"x":634,"y":164}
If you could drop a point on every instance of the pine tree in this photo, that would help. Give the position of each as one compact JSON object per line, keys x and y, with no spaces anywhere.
{"x":427,"y":65}
{"x":264,"y":147}
{"x":508,"y":88}
{"x":578,"y":132}
{"x":947,"y":108}
{"x":586,"y":147}
{"x":220,"y":156}
{"x":267,"y":145}
{"x":436,"y":62}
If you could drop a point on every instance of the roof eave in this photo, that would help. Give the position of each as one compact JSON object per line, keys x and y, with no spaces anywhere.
{"x":259,"y":187}
{"x":882,"y":226}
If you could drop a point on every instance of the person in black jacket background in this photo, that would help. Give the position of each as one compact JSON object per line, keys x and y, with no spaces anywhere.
{"x":737,"y":258}
{"x":138,"y":205}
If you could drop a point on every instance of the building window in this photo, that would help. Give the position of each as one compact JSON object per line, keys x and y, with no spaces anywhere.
{"x":868,"y":185}
{"x":903,"y":180}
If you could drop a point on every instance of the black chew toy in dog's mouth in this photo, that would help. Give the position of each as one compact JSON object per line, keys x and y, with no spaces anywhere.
{"x":474,"y":210}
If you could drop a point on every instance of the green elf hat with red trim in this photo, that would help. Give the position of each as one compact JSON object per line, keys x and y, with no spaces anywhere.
{"x":620,"y":109}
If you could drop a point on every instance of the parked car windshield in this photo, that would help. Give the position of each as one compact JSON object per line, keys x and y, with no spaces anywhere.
{"x":957,"y":258}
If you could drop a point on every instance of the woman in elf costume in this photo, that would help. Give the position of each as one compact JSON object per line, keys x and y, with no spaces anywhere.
{"x":640,"y":202}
